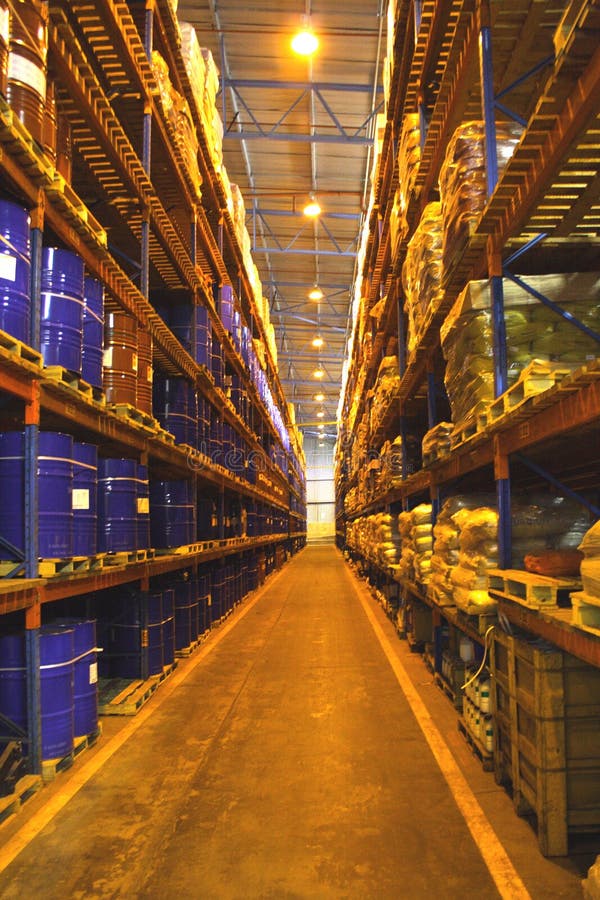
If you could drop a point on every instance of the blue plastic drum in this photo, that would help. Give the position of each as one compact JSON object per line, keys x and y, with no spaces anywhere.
{"x":155,"y":633}
{"x":55,"y":495}
{"x":61,"y":327}
{"x":13,"y":683}
{"x":186,"y":612}
{"x":172,"y":513}
{"x":174,"y":405}
{"x":85,"y":675}
{"x":203,"y":336}
{"x":168,"y":626}
{"x":85,"y":490}
{"x":15,"y":271}
{"x":93,"y":332}
{"x":117,"y":505}
{"x":143,"y":508}
{"x":57,"y":690}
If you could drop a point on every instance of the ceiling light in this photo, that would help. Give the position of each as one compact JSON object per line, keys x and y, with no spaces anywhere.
{"x":318,"y":341}
{"x":305,"y":43}
{"x":312,"y":209}
{"x":318,"y":373}
{"x":320,"y":414}
{"x":315,"y":294}
{"x":319,"y":397}
{"x":321,"y":427}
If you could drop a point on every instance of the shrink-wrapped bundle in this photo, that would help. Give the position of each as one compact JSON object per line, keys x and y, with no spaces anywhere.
{"x":477,"y":553}
{"x":415,"y":529}
{"x":409,"y":157}
{"x":590,"y":566}
{"x":436,"y":442}
{"x":533,"y":331}
{"x":194,"y":61}
{"x":463,"y":189}
{"x":422,"y":272}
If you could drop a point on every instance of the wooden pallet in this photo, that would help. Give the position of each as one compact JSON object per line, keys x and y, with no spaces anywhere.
{"x":486,"y":757}
{"x":536,"y":379}
{"x":586,"y":612}
{"x":73,"y":382}
{"x":11,"y":348}
{"x":135,"y":416}
{"x":466,"y":431}
{"x":127,"y":557}
{"x":120,"y":697}
{"x":25,"y":788}
{"x":530,"y":589}
{"x":52,"y":767}
{"x":184,"y":652}
{"x":454,"y":698}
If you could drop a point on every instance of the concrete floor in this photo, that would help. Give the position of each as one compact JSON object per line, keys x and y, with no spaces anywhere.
{"x":283,"y":760}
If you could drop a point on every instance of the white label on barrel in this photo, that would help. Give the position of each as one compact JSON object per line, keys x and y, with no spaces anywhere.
{"x":94,"y":673}
{"x":107,"y":358}
{"x":4,"y":29}
{"x":134,"y":363}
{"x":27,"y":72}
{"x":143,"y":505}
{"x":8,"y":266}
{"x":81,"y":498}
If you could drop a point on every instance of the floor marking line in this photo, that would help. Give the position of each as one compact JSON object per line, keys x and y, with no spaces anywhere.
{"x":504,"y":874}
{"x":84,"y":772}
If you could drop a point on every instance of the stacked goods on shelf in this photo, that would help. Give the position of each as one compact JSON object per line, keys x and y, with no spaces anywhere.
{"x":386,"y":387}
{"x":532,"y":331}
{"x":178,"y":116}
{"x":437,"y":442}
{"x":376,"y":538}
{"x":204,"y":80}
{"x":586,"y":603}
{"x":477,"y":553}
{"x":546,"y":533}
{"x":409,"y":158}
{"x":415,"y":527}
{"x":547,"y":742}
{"x":477,"y":708}
{"x":15,"y":271}
{"x":462,"y":182}
{"x":422,"y":273}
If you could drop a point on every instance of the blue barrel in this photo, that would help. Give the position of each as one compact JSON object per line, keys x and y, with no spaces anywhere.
{"x":13,"y":682}
{"x":186,"y":612}
{"x":155,"y":633}
{"x":203,"y":586}
{"x":142,"y":508}
{"x":168,"y":626}
{"x":93,"y":332}
{"x":15,"y":271}
{"x":85,"y":490}
{"x":203,"y":336}
{"x":226,"y":307}
{"x":61,"y":327}
{"x":173,"y":404}
{"x":121,"y":640}
{"x":117,"y":505}
{"x":56,"y":690}
{"x":181,"y":323}
{"x":217,"y":363}
{"x":172,"y":513}
{"x":85,"y":674}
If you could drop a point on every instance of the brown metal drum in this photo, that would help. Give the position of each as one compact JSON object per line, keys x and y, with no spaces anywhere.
{"x":64,"y":146}
{"x":120,"y":365}
{"x":144,"y":379}
{"x":4,"y":39}
{"x":50,"y":123}
{"x":28,"y":47}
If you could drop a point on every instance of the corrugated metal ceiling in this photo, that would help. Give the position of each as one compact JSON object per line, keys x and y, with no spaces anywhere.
{"x":294,"y":128}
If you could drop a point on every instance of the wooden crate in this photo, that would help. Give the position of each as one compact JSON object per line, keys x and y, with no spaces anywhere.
{"x":547,"y":739}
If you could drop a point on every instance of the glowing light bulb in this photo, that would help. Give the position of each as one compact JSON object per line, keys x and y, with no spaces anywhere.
{"x":319,"y":397}
{"x":312,"y":209}
{"x":318,"y":373}
{"x":305,"y":43}
{"x":320,"y":414}
{"x":315,"y":294}
{"x":318,"y":342}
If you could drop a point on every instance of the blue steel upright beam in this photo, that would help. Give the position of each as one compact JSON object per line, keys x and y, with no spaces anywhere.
{"x":34,"y":715}
{"x":146,"y":161}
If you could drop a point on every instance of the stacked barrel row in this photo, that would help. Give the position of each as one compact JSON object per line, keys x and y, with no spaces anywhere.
{"x":138,"y":633}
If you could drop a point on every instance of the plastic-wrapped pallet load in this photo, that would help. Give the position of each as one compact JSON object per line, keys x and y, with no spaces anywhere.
{"x":387,"y":383}
{"x":409,"y":157}
{"x":436,"y":442}
{"x":478,"y":552}
{"x":545,"y":535}
{"x":422,"y":272}
{"x":533,"y":331}
{"x":415,"y":529}
{"x":193,"y":61}
{"x":463,"y":190}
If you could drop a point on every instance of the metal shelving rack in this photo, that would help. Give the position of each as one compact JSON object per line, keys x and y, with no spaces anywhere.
{"x":177,"y":236}
{"x":461,"y":60}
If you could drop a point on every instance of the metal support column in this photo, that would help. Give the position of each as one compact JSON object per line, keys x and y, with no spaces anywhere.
{"x":488,"y":98}
{"x":431,"y":400}
{"x":34,"y":715}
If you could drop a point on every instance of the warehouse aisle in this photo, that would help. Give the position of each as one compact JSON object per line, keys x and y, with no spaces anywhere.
{"x":281,"y":761}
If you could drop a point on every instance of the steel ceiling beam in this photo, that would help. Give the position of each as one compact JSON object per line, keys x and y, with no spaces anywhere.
{"x":253,"y":129}
{"x":298,"y":214}
{"x":301,"y":85}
